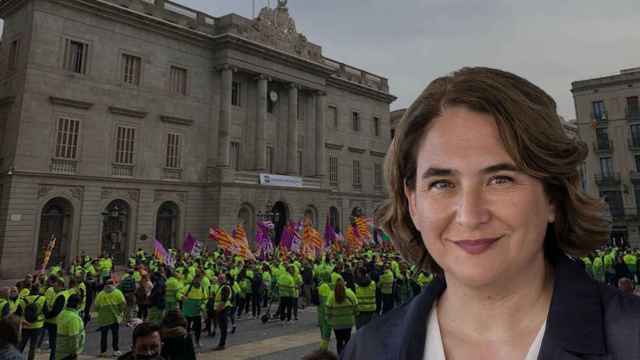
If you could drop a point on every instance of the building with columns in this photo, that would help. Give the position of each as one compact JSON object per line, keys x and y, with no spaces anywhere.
{"x":122,"y":121}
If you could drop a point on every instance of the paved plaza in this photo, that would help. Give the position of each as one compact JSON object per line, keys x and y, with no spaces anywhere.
{"x":252,"y":340}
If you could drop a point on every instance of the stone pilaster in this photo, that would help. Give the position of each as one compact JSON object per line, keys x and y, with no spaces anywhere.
{"x":225,"y":115}
{"x":292,"y":131}
{"x":321,"y":169}
{"x":261,"y":120}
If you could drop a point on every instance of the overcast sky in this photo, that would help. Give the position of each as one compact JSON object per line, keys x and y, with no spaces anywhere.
{"x":550,"y":42}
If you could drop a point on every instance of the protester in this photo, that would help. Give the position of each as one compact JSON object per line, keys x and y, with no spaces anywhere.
{"x":194,"y":300}
{"x":146,"y":343}
{"x":32,"y":311}
{"x":366,"y":295}
{"x":223,"y":307}
{"x":342,"y":307}
{"x":71,"y":335}
{"x":111,"y":307}
{"x":177,"y":343}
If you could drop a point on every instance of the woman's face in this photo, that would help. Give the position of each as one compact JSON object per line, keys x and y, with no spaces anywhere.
{"x":480,"y":217}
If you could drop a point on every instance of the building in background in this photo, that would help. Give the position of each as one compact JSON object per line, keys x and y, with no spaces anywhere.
{"x":608,"y":120}
{"x":122,"y":121}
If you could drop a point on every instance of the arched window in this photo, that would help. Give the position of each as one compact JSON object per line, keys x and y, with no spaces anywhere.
{"x":334,"y":218}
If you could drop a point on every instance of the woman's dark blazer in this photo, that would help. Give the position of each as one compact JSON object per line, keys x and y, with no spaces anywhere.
{"x":587,"y":320}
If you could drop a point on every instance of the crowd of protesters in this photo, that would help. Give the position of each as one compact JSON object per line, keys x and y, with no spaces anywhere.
{"x":212,"y":291}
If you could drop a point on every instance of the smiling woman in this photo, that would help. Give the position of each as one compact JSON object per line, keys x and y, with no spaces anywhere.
{"x":484,"y":192}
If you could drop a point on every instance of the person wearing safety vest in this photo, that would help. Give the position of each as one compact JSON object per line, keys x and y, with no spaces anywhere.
{"x":366,"y":295}
{"x":298,"y":282}
{"x":223,"y":307}
{"x":598,"y":267}
{"x":342,"y":307}
{"x":386,"y":289}
{"x":172,"y":289}
{"x":56,"y":299}
{"x":324,"y":291}
{"x":286,"y":290}
{"x":193,"y":301}
{"x":71,"y":334}
{"x":609,"y":270}
{"x":31,"y":331}
{"x":267,"y":280}
{"x":110,"y":305}
{"x":632,"y":264}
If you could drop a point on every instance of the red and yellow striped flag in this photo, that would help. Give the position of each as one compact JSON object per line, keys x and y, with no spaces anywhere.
{"x":222,"y":238}
{"x":311,"y":237}
{"x":240,"y":238}
{"x":363,"y":228}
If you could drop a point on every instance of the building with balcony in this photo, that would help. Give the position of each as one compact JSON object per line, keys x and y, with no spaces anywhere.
{"x":608,"y":120}
{"x":122,"y":121}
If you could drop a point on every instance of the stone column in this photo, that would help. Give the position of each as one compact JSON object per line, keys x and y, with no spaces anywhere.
{"x":261,"y":120}
{"x":225,"y":115}
{"x":321,"y":169}
{"x":292,"y":131}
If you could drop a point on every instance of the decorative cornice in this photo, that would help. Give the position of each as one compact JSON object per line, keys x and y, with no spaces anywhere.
{"x":333,"y":146}
{"x":7,"y":100}
{"x":127,"y":112}
{"x":356,"y":150}
{"x":377,"y":153}
{"x":71,"y":103}
{"x":176,"y":120}
{"x":360,"y":89}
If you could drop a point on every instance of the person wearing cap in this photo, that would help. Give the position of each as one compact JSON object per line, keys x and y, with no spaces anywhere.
{"x":110,"y":306}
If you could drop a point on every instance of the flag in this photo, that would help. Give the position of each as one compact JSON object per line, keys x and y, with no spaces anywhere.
{"x":48,"y":251}
{"x":263,"y":242}
{"x":240,"y":239}
{"x":222,"y":238}
{"x":162,"y":254}
{"x":363,"y":228}
{"x":296,"y":239}
{"x":329,"y":234}
{"x":189,"y":243}
{"x":311,"y":237}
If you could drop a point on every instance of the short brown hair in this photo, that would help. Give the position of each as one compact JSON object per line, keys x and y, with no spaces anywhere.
{"x":533,"y":136}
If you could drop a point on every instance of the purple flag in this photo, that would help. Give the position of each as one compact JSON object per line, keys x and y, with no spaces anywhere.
{"x":189,"y":243}
{"x":329,"y":234}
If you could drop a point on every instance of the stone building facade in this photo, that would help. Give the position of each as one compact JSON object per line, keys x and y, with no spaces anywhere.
{"x":608,"y":121}
{"x":127,"y":120}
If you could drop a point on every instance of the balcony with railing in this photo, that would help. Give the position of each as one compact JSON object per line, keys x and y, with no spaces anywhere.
{"x":603,"y":146}
{"x":63,"y":166}
{"x":172,"y":173}
{"x":632,"y":114}
{"x":608,"y":179}
{"x":125,"y":170}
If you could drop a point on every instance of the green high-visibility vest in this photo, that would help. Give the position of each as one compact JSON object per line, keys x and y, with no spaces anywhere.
{"x":342,"y":315}
{"x":286,"y":285}
{"x":71,"y":335}
{"x":366,"y":297}
{"x":218,"y":299}
{"x":195,"y":298}
{"x":386,"y":282}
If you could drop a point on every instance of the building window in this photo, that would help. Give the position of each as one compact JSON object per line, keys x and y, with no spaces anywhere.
{"x":632,"y":106}
{"x":333,"y":170}
{"x":173,"y":151}
{"x":376,"y":126}
{"x":356,"y":173}
{"x":178,"y":80}
{"x":125,"y":142}
{"x":236,"y":86}
{"x":393,"y":133}
{"x":606,"y":166}
{"x":299,"y":162}
{"x":637,"y":159}
{"x":75,"y":56}
{"x":599,"y":112}
{"x":14,"y":52}
{"x":635,"y":135}
{"x":602,"y":136}
{"x":614,"y":200}
{"x":333,"y":116}
{"x":67,"y":139}
{"x":270,"y":159}
{"x":377,"y":175}
{"x":131,"y":66}
{"x":235,"y":155}
{"x":355,"y":117}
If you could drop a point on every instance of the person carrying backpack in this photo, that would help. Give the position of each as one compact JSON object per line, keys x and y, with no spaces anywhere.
{"x":56,"y":300}
{"x":31,"y":308}
{"x":128,"y":287}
